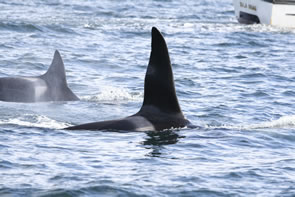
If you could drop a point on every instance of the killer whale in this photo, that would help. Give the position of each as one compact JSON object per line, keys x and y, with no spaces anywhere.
{"x":160,"y":109}
{"x":51,"y":86}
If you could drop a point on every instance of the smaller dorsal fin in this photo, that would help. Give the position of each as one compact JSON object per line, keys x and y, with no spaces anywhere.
{"x":56,"y":74}
{"x":159,"y":90}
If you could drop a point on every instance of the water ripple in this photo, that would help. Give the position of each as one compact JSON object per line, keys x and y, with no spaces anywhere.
{"x":19,"y":27}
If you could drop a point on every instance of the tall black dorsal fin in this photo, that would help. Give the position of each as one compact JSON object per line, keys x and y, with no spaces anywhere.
{"x":56,"y":74}
{"x":159,"y":90}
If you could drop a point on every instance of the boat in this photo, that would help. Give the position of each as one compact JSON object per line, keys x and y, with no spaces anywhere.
{"x":279,"y":13}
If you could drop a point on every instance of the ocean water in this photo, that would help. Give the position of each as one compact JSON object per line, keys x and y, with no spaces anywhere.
{"x":236,"y":82}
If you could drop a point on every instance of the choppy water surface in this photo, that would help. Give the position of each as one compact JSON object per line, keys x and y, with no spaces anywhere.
{"x":236,"y":82}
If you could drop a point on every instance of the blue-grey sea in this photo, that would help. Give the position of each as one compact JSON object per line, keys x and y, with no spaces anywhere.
{"x":236,"y":82}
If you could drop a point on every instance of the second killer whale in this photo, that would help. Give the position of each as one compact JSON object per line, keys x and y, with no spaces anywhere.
{"x":51,"y":86}
{"x":160,"y":109}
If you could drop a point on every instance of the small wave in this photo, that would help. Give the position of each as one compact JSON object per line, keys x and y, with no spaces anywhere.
{"x":111,"y":94}
{"x":22,"y":27}
{"x":101,"y":190}
{"x":289,"y":93}
{"x":59,"y":29}
{"x":283,"y":122}
{"x":253,"y":76}
{"x":30,"y":120}
{"x":258,"y":93}
{"x":6,"y":164}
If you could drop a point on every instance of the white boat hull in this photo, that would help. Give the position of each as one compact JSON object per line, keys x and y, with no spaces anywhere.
{"x":270,"y":12}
